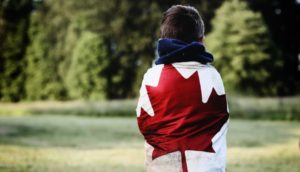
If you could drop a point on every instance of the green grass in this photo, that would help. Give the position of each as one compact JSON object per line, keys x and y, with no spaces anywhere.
{"x":286,"y":108}
{"x":81,"y":144}
{"x":272,"y":108}
{"x":79,"y":108}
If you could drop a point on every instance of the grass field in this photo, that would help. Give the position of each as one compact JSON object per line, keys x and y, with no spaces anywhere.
{"x":272,"y":108}
{"x":81,"y":144}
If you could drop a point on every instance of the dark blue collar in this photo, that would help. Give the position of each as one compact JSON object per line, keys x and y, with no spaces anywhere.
{"x":173,"y":50}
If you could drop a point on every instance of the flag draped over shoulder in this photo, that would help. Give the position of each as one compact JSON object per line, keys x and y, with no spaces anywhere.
{"x":182,"y":111}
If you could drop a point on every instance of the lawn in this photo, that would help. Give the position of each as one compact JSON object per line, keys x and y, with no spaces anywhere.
{"x":89,"y":144}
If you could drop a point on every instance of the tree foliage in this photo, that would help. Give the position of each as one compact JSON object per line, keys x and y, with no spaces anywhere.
{"x":86,"y":76}
{"x":283,"y":20}
{"x":40,"y":42}
{"x":128,"y":46}
{"x":242,"y":46}
{"x":14,"y":20}
{"x":44,"y":54}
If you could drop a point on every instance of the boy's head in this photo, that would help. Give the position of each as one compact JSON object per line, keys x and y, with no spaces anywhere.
{"x":183,"y":23}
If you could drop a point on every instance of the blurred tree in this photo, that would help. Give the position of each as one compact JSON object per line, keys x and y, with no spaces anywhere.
{"x":283,"y":20}
{"x":126,"y":28}
{"x":242,"y":46}
{"x":130,"y":34}
{"x":44,"y":54}
{"x":86,"y":77}
{"x":14,"y":21}
{"x":128,"y":31}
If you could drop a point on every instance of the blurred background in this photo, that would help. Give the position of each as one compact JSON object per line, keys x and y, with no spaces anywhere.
{"x":70,"y":73}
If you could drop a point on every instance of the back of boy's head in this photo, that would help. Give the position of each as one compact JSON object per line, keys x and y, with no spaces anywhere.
{"x":183,"y":23}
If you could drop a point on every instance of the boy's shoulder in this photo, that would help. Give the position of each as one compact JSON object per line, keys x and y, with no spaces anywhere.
{"x":209,"y":77}
{"x":184,"y":68}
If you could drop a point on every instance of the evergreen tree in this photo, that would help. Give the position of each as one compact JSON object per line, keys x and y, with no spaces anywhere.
{"x":14,"y":19}
{"x":86,"y":77}
{"x":241,"y":44}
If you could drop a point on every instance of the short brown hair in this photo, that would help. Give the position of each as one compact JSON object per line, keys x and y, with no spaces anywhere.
{"x":183,"y":23}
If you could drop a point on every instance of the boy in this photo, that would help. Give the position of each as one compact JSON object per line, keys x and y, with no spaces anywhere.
{"x":182,"y":109}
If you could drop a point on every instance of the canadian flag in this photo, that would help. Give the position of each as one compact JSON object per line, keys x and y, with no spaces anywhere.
{"x":183,"y":115}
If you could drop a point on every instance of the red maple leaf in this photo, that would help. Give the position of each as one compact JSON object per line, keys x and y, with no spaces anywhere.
{"x":181,"y":121}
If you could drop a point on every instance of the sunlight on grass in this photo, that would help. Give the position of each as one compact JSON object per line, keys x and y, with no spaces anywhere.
{"x":68,"y":159}
{"x":275,"y":158}
{"x":77,"y":144}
